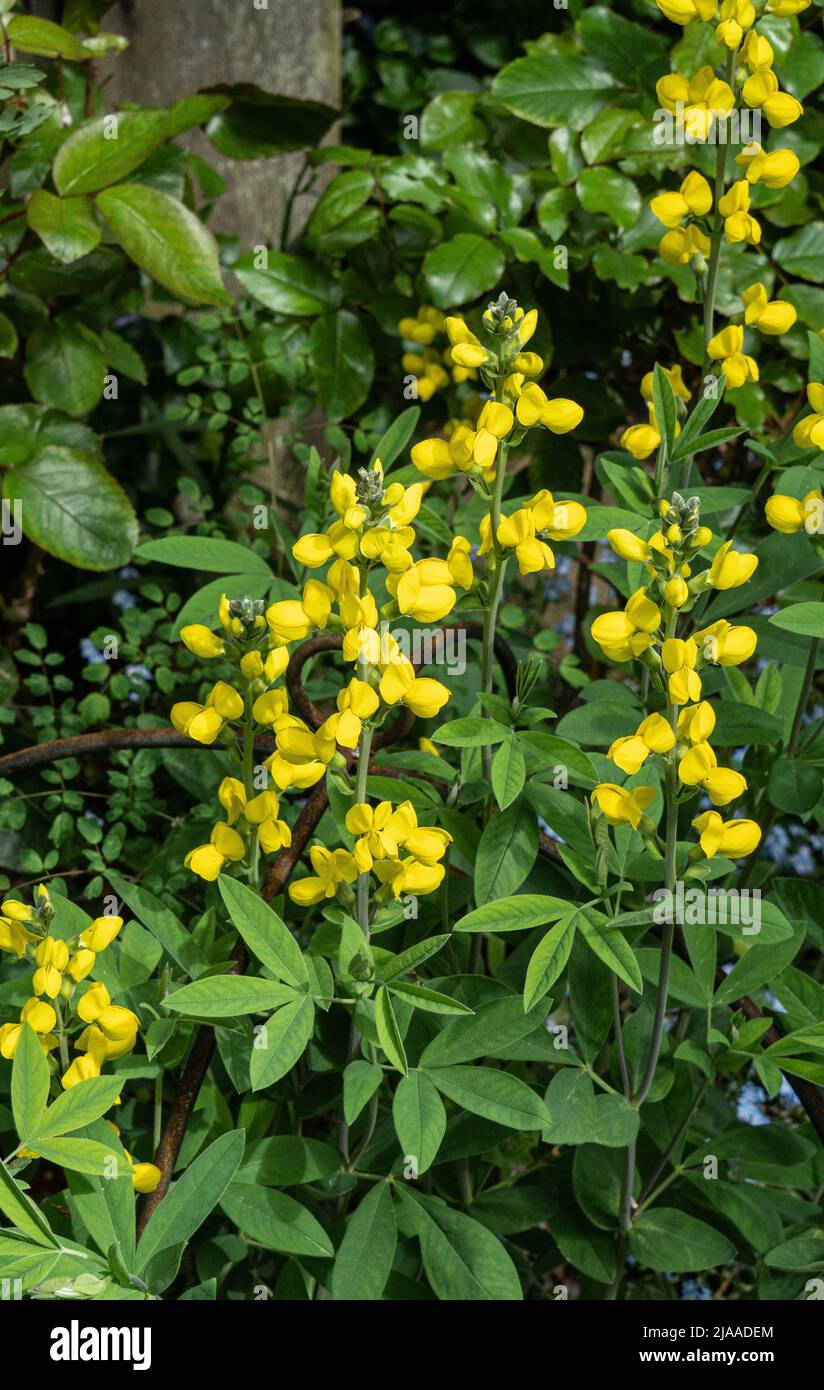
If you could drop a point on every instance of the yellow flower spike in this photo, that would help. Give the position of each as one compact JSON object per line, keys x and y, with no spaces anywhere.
{"x":201,"y":641}
{"x":101,"y":933}
{"x":232,"y":797}
{"x":769,"y":316}
{"x":82,"y":1069}
{"x":627,"y":545}
{"x":620,"y":806}
{"x":52,"y":957}
{"x":735,"y":839}
{"x":774,"y":170}
{"x":789,"y":515}
{"x":730,"y":569}
{"x":676,"y":592}
{"x":696,"y":722}
{"x":736,"y":17}
{"x":722,"y":644}
{"x":146,"y":1177}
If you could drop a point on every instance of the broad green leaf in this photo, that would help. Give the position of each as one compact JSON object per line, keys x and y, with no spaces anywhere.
{"x":166,"y":240}
{"x":81,"y":1155}
{"x":9,"y":340}
{"x":507,"y":850}
{"x":802,"y":253}
{"x":497,"y":1024}
{"x":756,"y":967}
{"x":673,"y":1242}
{"x":209,"y":553}
{"x":388,"y":1032}
{"x":276,"y":1221}
{"x":286,"y":1160}
{"x":45,"y":39}
{"x":161,"y":922}
{"x":462,"y":268}
{"x":360,"y":1082}
{"x":364,"y":1259}
{"x":611,"y":947}
{"x":471,"y":732}
{"x":30,"y":1082}
{"x":521,"y":913}
{"x":419,"y":1118}
{"x":264,"y":932}
{"x":190,"y":1200}
{"x":577,"y":1115}
{"x":281,"y":1042}
{"x":65,"y":367}
{"x":106,"y":1205}
{"x":550,"y":89}
{"x":288,"y":284}
{"x":494,"y":1094}
{"x":344,"y":363}
{"x":803,"y":1252}
{"x":81,"y":1105}
{"x":411,"y":958}
{"x":257,"y":124}
{"x":430,"y":1000}
{"x":806,"y":619}
{"x":508,"y":772}
{"x":66,"y":226}
{"x":223,"y":996}
{"x":73,"y":508}
{"x":548,"y":960}
{"x":103,"y":151}
{"x":464,"y":1262}
{"x":22,"y":1211}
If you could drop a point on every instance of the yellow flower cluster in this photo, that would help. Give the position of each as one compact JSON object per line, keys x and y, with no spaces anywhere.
{"x":646,"y":629}
{"x":404,"y":856}
{"x":108,"y":1030}
{"x":523,"y":531}
{"x":432,"y":368}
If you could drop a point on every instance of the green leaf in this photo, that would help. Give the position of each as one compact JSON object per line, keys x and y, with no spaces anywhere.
{"x":46,"y":39}
{"x":806,"y":619}
{"x":794,"y":786}
{"x":519,"y":913}
{"x":209,"y":553}
{"x":166,"y":240}
{"x":610,"y":947}
{"x":449,"y":119}
{"x":103,"y":151}
{"x":161,"y":922}
{"x":804,"y":1252}
{"x":288,"y":284}
{"x":419,"y":1118}
{"x":106,"y":1205}
{"x":22,"y":1211}
{"x":339,"y":199}
{"x":73,"y":508}
{"x":549,"y":89}
{"x":462,"y":268}
{"x":222,"y":996}
{"x":430,"y":1000}
{"x":264,"y":932}
{"x":344,"y":363}
{"x":281,"y":1042}
{"x":30,"y":1082}
{"x":578,"y":1116}
{"x":388,"y":1032}
{"x":364,"y":1259}
{"x":548,"y":960}
{"x":286,"y":1160}
{"x":607,"y":190}
{"x":81,"y":1105}
{"x":506,"y":852}
{"x":393,"y":442}
{"x":9,"y":341}
{"x":802,"y":253}
{"x":360,"y":1082}
{"x":755,"y":968}
{"x":496,"y":1025}
{"x":663,"y":398}
{"x":66,"y":226}
{"x":65,"y":367}
{"x":464,"y":1262}
{"x":190,"y":1200}
{"x":471,"y":732}
{"x":672,"y":1242}
{"x":258,"y":124}
{"x":278,"y":1222}
{"x":494,"y":1094}
{"x":411,"y":958}
{"x":508,"y":772}
{"x":81,"y":1155}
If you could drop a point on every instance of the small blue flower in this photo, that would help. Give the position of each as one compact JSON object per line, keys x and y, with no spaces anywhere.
{"x":692,"y":1290}
{"x":89,"y":651}
{"x":749,"y":1106}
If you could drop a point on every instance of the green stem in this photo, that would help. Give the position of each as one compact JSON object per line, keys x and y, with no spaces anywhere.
{"x":498,"y":559}
{"x":364,"y":750}
{"x":249,"y":784}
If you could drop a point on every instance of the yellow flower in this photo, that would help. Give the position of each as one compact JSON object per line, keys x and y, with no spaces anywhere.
{"x":559,"y":416}
{"x":409,"y":876}
{"x":13,"y":936}
{"x":225,"y":845}
{"x":772,"y":317}
{"x":642,"y":440}
{"x":761,"y":90}
{"x":145,"y":1177}
{"x":622,"y":636}
{"x":459,"y":562}
{"x":734,"y":838}
{"x":200,"y":722}
{"x":101,"y":933}
{"x":424,"y":327}
{"x":39,"y":1015}
{"x":628,"y":546}
{"x":653,"y":735}
{"x":757,"y":52}
{"x":675,"y":591}
{"x":271,"y":707}
{"x":809,"y":432}
{"x":517,"y":532}
{"x":381,"y":830}
{"x":559,"y":520}
{"x":80,"y":965}
{"x":702,"y":98}
{"x":694,"y":196}
{"x":736,"y":366}
{"x":232,"y":797}
{"x":774,"y":170}
{"x":699,"y":768}
{"x":302,"y":754}
{"x":621,"y":806}
{"x":736,"y":17}
{"x":679,"y":658}
{"x":685,"y":11}
{"x":696,"y":722}
{"x":288,"y":620}
{"x":81,"y":1069}
{"x":251,"y":665}
{"x":676,"y":380}
{"x":424,"y":591}
{"x":357,"y":702}
{"x":52,"y":958}
{"x":725,"y":645}
{"x":117,"y":1027}
{"x":788,"y":515}
{"x":201,"y":641}
{"x":332,"y":867}
{"x":680,"y":245}
{"x":730,"y":568}
{"x":734,"y":208}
